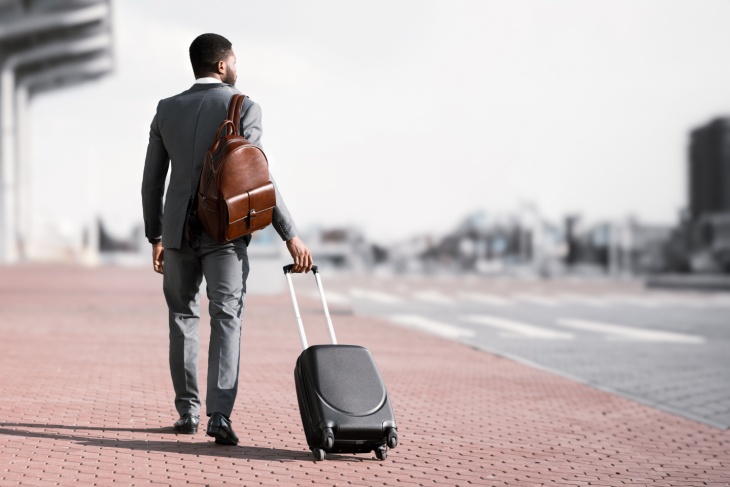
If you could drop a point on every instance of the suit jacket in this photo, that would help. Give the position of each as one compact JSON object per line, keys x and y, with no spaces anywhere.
{"x":181,"y":132}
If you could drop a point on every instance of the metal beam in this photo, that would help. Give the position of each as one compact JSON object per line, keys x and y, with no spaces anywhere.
{"x":8,"y":249}
{"x":55,"y":20}
{"x":64,"y":75}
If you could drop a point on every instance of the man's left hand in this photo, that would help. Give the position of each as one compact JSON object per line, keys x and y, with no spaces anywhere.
{"x":301,"y":255}
{"x":158,"y":258}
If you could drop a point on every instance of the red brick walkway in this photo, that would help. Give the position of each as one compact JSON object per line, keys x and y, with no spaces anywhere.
{"x":86,"y":399}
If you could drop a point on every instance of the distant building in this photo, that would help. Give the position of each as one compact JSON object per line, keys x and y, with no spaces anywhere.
{"x":709,"y":169}
{"x":702,"y":241}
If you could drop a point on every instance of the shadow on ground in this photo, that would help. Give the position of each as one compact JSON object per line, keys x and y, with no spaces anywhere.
{"x":29,"y":430}
{"x":203,"y":448}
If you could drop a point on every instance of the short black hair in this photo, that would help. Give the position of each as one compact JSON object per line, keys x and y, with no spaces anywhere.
{"x":205,"y":52}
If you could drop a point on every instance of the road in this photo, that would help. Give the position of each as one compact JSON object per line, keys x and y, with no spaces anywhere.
{"x":667,"y":349}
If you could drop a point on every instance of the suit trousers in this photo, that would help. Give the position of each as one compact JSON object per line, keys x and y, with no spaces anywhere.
{"x":225,"y":268}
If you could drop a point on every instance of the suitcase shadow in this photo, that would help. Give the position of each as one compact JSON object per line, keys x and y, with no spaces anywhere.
{"x":339,"y":457}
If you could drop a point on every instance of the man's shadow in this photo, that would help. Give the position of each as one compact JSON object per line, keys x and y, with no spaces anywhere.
{"x":207,"y":448}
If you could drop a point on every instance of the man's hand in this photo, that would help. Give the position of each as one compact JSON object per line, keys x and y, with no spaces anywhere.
{"x":158,"y":257}
{"x":301,"y":255}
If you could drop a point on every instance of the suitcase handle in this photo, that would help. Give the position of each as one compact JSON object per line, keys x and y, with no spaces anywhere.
{"x":300,"y":325}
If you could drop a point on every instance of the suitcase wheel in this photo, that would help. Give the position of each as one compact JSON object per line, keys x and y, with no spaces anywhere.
{"x":392,"y":438}
{"x":329,"y":438}
{"x":381,"y":453}
{"x":318,"y":454}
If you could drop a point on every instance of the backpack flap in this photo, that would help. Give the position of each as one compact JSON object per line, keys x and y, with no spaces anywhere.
{"x":251,"y":210}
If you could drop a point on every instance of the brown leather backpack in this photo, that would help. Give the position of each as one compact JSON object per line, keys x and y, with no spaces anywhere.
{"x":235,"y":196}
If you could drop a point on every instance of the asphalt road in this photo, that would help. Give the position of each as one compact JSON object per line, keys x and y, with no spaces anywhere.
{"x":667,"y":349}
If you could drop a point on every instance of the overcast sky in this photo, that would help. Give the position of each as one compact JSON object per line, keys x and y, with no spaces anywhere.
{"x":403,"y":116}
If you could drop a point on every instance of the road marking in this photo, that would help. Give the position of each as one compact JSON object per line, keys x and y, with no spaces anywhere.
{"x":536,"y":299}
{"x":642,"y":301}
{"x":378,"y":296}
{"x":433,"y":296}
{"x":434,"y":327}
{"x":723,"y":302}
{"x":582,"y":299}
{"x":332,"y":297}
{"x":667,"y":300}
{"x":487,"y":299}
{"x":641,"y":334}
{"x":717,"y":301}
{"x":515,"y":329}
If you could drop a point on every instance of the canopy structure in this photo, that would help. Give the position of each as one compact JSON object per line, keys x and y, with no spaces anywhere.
{"x":44,"y":45}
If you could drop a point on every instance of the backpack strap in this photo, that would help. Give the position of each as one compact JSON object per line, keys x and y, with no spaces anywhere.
{"x":234,"y":111}
{"x":193,"y":226}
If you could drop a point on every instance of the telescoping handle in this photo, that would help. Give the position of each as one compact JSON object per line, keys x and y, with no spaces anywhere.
{"x":302,"y":335}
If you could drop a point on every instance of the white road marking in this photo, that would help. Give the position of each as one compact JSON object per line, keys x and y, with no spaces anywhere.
{"x":668,"y":300}
{"x":332,"y":297}
{"x":583,"y":299}
{"x":536,"y":299}
{"x":516,"y":329}
{"x":433,"y":296}
{"x":635,"y":300}
{"x":632,"y":333}
{"x":720,"y":301}
{"x":487,"y":299}
{"x":434,"y":327}
{"x":378,"y":296}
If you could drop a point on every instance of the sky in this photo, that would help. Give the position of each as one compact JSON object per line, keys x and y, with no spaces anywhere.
{"x":401,"y":117}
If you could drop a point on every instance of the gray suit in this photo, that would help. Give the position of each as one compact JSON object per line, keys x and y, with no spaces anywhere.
{"x":181,"y":132}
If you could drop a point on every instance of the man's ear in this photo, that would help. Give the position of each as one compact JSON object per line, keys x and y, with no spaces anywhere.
{"x":221,"y":67}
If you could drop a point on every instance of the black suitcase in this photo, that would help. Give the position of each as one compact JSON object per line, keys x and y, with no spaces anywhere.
{"x":342,"y":398}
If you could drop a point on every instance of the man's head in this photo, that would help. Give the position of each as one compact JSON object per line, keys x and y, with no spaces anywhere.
{"x":212,"y":55}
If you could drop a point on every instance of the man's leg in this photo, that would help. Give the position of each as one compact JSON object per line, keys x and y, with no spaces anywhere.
{"x":226,"y":270}
{"x":181,"y":284}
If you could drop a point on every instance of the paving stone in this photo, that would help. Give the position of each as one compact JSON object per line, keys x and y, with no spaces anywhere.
{"x":87,"y":399}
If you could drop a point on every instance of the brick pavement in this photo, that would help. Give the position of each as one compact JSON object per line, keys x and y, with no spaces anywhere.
{"x":87,"y":399}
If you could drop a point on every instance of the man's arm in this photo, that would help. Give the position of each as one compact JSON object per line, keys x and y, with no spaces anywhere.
{"x":281,"y":218}
{"x":156,"y":165}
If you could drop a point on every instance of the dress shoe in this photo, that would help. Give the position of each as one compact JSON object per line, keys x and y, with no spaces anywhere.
{"x":187,"y":424}
{"x":219,"y":427}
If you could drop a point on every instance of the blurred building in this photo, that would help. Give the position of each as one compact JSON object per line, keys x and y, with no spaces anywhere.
{"x":44,"y":45}
{"x":702,"y":240}
{"x":709,"y":169}
{"x":491,"y":244}
{"x":343,"y":248}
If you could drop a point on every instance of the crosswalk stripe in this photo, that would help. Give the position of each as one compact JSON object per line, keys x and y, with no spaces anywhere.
{"x":536,"y":299}
{"x":487,"y":299}
{"x":437,"y":328}
{"x":517,"y":329}
{"x":378,"y":296}
{"x":582,"y":299}
{"x":432,"y":296}
{"x":650,"y":301}
{"x":641,"y":334}
{"x":680,"y":302}
{"x":643,"y":301}
{"x":720,"y":301}
{"x":333,"y":297}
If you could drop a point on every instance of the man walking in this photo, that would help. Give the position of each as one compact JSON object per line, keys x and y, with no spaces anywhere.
{"x":181,"y":132}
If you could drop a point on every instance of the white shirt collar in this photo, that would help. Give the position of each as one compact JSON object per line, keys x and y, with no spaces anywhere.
{"x":207,"y":80}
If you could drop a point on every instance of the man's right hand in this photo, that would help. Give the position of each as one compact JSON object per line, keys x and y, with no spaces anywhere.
{"x":158,"y":258}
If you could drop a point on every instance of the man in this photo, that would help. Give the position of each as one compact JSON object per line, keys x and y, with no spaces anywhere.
{"x":181,"y":132}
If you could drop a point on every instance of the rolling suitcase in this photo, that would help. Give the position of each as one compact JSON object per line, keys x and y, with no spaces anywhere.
{"x":342,"y":398}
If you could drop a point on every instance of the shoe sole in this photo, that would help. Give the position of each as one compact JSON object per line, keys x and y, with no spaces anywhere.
{"x":221,"y":437}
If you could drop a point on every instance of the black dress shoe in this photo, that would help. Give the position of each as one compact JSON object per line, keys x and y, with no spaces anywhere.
{"x":219,"y":427}
{"x":187,"y":424}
